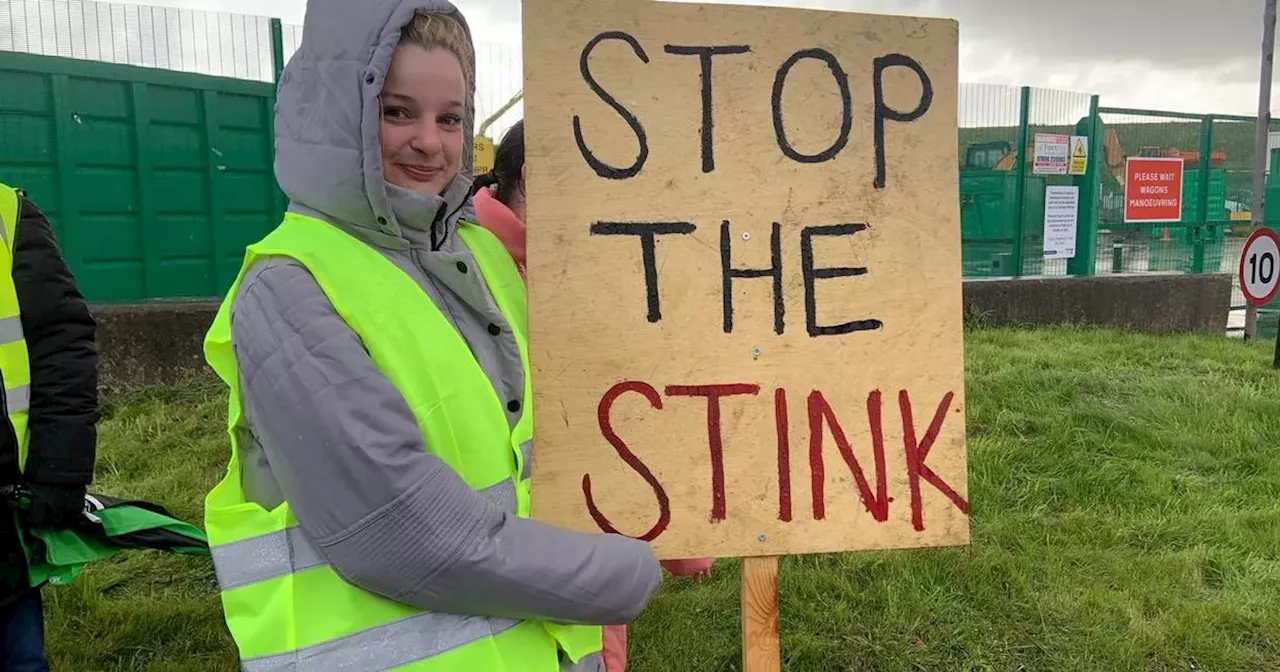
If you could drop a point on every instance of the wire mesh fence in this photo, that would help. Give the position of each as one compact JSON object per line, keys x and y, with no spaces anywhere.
{"x":1002,"y":195}
{"x":1216,"y":156}
{"x":989,"y":118}
{"x":1139,"y":246}
{"x":206,"y":43}
{"x":1050,"y":113}
{"x":1230,"y":202}
{"x":290,"y":39}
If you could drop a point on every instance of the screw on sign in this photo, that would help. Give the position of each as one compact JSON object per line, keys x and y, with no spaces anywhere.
{"x":1260,"y":267}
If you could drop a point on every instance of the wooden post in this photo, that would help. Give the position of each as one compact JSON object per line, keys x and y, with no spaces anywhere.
{"x":760,"y":647}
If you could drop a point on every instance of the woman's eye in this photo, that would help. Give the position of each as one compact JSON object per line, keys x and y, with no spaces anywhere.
{"x":451,"y":120}
{"x":398,"y":113}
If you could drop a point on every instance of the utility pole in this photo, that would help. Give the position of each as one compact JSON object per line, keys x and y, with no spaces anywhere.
{"x":1260,"y":148}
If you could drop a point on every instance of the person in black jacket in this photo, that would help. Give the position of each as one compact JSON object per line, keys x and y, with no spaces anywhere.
{"x":62,"y":436}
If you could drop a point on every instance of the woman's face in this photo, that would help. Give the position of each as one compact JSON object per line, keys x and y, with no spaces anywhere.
{"x":422,"y":119}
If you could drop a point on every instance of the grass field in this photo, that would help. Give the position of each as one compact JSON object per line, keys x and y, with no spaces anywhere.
{"x":1126,"y":516}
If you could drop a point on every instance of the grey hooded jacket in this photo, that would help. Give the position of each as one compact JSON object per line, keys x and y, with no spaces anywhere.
{"x":326,"y":431}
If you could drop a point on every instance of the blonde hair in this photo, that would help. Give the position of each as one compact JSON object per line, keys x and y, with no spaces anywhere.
{"x":441,"y":30}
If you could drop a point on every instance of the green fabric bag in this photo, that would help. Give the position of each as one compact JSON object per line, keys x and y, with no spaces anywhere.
{"x":110,"y":525}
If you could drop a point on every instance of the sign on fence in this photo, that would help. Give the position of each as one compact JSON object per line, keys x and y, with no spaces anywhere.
{"x":744,"y":270}
{"x":1061,"y":212}
{"x":1051,"y":152}
{"x":1153,"y":189}
{"x":1079,"y":154}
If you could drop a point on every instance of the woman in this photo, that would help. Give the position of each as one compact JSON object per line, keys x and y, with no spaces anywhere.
{"x":374,"y":510}
{"x":499,"y":194}
{"x":500,"y":207}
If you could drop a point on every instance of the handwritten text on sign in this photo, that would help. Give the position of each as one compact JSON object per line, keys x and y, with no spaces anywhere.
{"x":744,"y":274}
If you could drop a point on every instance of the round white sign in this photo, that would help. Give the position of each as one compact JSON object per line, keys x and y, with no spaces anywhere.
{"x":1260,"y":267}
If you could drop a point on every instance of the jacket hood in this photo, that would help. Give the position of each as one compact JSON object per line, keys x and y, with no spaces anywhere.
{"x":327,"y":159}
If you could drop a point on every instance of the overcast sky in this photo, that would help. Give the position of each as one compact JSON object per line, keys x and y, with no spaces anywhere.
{"x":1184,"y":55}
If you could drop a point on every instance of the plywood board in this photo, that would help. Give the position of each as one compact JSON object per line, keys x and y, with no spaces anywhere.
{"x":745,"y":278}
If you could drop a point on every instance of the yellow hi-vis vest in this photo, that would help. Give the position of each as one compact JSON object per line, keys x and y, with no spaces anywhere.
{"x":15,"y":366}
{"x":287,"y":609}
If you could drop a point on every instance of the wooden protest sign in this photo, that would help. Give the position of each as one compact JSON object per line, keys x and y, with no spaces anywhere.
{"x":744,"y":275}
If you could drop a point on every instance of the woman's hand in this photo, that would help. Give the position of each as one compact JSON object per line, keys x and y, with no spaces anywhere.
{"x":698,"y":568}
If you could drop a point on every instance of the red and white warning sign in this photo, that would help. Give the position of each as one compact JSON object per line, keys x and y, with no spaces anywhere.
{"x":1260,"y":267}
{"x":1153,"y":189}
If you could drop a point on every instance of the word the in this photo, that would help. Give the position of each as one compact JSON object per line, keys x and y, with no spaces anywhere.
{"x":820,"y":417}
{"x":705,"y":54}
{"x":647,"y":232}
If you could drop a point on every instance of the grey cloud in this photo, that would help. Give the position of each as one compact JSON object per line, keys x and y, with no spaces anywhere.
{"x":1169,"y":34}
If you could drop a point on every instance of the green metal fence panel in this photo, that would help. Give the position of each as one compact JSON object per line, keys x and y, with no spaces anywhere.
{"x":1002,"y":199}
{"x":989,"y":129}
{"x":1149,"y":247}
{"x":154,"y":180}
{"x":1050,"y":112}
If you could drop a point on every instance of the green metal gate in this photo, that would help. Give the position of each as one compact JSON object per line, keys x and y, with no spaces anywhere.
{"x":154,"y":180}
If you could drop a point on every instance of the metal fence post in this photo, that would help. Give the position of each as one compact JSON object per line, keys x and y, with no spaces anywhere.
{"x":1201,"y":229}
{"x":277,"y":49}
{"x":1090,"y":185}
{"x":278,"y":200}
{"x":1020,"y":179}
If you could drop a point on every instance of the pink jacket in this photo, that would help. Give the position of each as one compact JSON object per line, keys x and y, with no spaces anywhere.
{"x":498,"y":218}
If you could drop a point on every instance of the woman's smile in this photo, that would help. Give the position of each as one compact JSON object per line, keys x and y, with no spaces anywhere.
{"x":419,"y":173}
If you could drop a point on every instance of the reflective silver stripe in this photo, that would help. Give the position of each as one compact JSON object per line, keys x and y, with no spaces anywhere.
{"x":10,"y":329}
{"x":264,"y":557}
{"x":18,"y":399}
{"x":278,"y":554}
{"x":387,"y":646}
{"x":526,"y":452}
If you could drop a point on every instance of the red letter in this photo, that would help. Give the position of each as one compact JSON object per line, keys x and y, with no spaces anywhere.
{"x":878,"y":503}
{"x":606,"y":428}
{"x":784,"y":455}
{"x":916,"y":455}
{"x":713,"y":394}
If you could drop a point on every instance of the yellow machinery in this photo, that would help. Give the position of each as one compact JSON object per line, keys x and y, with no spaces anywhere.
{"x":483,"y":146}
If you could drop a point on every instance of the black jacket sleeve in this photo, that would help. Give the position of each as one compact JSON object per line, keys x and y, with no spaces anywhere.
{"x":60,"y":334}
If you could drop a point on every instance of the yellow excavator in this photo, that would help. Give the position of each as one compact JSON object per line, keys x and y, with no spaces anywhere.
{"x":482,"y":145}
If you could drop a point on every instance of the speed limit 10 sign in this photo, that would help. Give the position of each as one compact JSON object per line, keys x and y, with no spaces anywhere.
{"x":1260,"y":267}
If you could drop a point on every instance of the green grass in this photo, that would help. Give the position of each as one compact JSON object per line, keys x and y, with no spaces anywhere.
{"x":1126,"y":516}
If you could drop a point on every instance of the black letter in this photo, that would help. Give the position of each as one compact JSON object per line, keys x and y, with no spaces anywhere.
{"x":647,"y":231}
{"x":603,"y":169}
{"x":810,"y":274}
{"x":846,"y":101}
{"x":885,"y":112}
{"x":705,"y":54}
{"x":775,"y":247}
